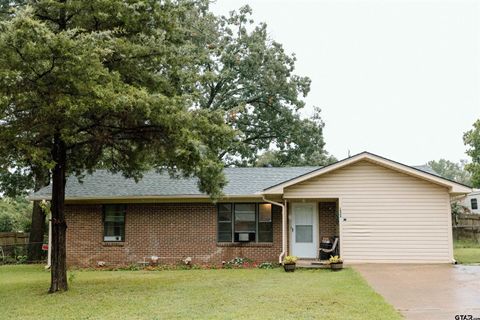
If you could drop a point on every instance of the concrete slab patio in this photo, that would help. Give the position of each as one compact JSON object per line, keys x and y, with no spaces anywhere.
{"x":427,"y":291}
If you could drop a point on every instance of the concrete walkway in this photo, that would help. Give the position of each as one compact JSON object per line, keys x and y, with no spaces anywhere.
{"x":427,"y":291}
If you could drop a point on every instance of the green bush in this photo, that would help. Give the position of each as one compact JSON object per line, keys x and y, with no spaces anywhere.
{"x":7,"y":222}
{"x":266,"y":265}
{"x":15,"y":215}
{"x":238,"y":263}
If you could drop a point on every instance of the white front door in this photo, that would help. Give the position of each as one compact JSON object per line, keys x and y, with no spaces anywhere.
{"x":304,"y":230}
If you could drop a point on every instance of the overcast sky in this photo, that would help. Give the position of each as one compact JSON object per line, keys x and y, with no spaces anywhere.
{"x":396,"y":78}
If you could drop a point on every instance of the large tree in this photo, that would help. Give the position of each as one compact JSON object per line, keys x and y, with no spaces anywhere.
{"x":472,"y":140}
{"x":250,"y":76}
{"x":111,"y":83}
{"x":308,"y":150}
{"x":451,"y":170}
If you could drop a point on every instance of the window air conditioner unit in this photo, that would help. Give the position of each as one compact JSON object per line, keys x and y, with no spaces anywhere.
{"x":112,"y":238}
{"x":243,"y":237}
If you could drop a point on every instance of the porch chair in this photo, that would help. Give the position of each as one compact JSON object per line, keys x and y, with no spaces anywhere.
{"x":332,"y":251}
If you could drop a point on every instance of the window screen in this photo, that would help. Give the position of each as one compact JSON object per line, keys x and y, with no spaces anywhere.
{"x":114,"y":222}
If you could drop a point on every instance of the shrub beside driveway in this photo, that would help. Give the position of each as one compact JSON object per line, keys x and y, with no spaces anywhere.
{"x":220,"y":294}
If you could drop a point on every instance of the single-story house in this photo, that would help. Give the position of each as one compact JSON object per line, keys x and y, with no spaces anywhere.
{"x":380,"y":210}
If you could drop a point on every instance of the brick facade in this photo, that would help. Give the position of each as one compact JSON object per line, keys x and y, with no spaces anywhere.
{"x":171,"y":231}
{"x":327,"y":219}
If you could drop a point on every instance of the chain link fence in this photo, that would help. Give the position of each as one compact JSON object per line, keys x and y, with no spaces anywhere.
{"x":15,"y":249}
{"x":19,"y":253}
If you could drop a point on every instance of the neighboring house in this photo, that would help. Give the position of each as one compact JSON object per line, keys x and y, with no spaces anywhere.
{"x":381,"y":210}
{"x":472,"y":201}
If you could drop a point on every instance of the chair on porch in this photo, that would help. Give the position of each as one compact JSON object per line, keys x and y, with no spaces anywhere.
{"x":329,"y":252}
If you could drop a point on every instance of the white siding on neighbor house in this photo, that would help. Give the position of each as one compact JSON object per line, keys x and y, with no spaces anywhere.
{"x":467,"y":202}
{"x":390,"y":216}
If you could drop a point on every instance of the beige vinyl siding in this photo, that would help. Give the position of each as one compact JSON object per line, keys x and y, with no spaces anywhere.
{"x":391,"y":216}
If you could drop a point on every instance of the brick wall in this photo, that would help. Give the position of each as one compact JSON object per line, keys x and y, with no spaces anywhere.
{"x":327,"y":219}
{"x":169,"y":231}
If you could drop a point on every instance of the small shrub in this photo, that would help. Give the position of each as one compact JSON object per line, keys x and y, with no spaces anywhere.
{"x":238,"y":262}
{"x":71,"y":277}
{"x":335,"y":259}
{"x":266,"y":265}
{"x":9,"y":260}
{"x":21,"y":259}
{"x":290,"y":260}
{"x":132,"y":267}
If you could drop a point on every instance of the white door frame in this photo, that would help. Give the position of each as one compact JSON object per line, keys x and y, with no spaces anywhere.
{"x":315,"y":227}
{"x":340,"y":225}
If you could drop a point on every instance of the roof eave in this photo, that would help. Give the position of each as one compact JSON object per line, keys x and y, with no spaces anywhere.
{"x":460,"y":190}
{"x":169,"y":197}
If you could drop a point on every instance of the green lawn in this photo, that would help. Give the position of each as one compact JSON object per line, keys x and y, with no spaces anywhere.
{"x":187,"y":294}
{"x":467,"y":252}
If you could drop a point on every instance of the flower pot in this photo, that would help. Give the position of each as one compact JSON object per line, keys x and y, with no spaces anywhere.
{"x":336,"y":266}
{"x":290,"y":267}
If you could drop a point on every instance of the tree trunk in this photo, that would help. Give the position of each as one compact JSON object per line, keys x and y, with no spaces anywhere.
{"x":59,"y":226}
{"x":37,"y":231}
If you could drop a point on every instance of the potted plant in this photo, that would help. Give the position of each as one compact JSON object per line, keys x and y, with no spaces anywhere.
{"x":336,"y":263}
{"x":289,"y":263}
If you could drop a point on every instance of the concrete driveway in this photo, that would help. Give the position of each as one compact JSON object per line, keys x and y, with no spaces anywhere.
{"x":427,"y":291}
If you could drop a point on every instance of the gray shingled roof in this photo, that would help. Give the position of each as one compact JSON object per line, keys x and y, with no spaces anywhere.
{"x":241,"y":181}
{"x":427,"y":169}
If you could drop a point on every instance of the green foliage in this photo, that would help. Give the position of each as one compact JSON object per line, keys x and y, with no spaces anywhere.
{"x":250,"y":76}
{"x":15,"y":181}
{"x":451,"y":170}
{"x":118,"y":80}
{"x":335,"y":259}
{"x":111,"y":82}
{"x":456,"y":210}
{"x":238,"y":262}
{"x":307,"y":151}
{"x":472,"y":141}
{"x":267,"y":265}
{"x":15,"y":215}
{"x":71,"y":277}
{"x":21,"y":259}
{"x":7,"y":7}
{"x":290,"y":260}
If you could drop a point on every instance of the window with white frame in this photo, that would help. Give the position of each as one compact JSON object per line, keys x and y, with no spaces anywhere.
{"x":114,"y":222}
{"x":253,"y":220}
{"x":474,"y":203}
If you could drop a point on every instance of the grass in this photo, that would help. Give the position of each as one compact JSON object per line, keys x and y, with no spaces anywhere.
{"x":467,"y":252}
{"x":182,"y":294}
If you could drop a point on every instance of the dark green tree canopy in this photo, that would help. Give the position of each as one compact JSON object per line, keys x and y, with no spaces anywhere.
{"x":114,"y":81}
{"x":250,"y":76}
{"x":15,"y":214}
{"x":472,"y":141}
